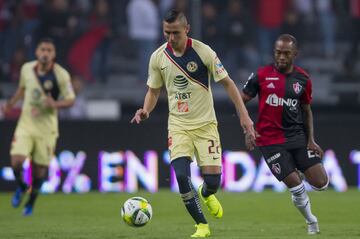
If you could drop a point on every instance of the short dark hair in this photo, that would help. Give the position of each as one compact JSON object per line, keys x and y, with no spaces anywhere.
{"x":173,"y":15}
{"x":288,"y":38}
{"x":46,"y":40}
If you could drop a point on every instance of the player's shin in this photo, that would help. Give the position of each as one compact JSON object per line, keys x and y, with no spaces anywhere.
{"x":37,"y":183}
{"x":19,"y":179}
{"x":302,"y":202}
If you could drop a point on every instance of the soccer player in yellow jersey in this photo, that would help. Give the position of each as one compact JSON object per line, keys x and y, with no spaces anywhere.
{"x":44,"y":87}
{"x":186,"y":67}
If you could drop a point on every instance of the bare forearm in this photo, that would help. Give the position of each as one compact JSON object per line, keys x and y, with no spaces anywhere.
{"x":19,"y":94}
{"x":236,"y":98}
{"x":64,"y":103}
{"x":309,"y":125}
{"x":151,"y":99}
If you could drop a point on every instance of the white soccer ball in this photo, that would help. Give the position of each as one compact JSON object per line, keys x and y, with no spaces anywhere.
{"x":136,"y":212}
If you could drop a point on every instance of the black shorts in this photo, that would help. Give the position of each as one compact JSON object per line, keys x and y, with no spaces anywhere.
{"x":284,"y":159}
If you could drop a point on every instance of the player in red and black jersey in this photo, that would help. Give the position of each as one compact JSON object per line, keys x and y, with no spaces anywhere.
{"x":285,"y":125}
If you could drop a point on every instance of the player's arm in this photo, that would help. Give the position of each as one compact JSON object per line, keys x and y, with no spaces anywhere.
{"x":245,"y":120}
{"x":19,"y":94}
{"x":67,"y":92}
{"x":58,"y":104}
{"x":150,"y":101}
{"x":309,"y":125}
{"x":245,"y":97}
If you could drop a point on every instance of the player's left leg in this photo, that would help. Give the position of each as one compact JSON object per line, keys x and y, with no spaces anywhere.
{"x":212,"y":179}
{"x":310,"y":164}
{"x":301,"y":201}
{"x":208,"y":154}
{"x":39,"y":174}
{"x":317,"y":177}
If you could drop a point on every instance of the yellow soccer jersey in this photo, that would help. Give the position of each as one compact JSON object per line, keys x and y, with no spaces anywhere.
{"x":35,"y":117}
{"x":187,"y":80}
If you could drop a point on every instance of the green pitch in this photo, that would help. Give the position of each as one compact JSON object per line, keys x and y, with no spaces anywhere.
{"x":246,"y":215}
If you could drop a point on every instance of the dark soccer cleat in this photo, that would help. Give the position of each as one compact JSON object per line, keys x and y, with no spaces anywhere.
{"x":28,"y":210}
{"x":17,"y":198}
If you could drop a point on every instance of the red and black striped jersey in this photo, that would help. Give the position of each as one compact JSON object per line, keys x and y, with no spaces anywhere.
{"x":280,"y":97}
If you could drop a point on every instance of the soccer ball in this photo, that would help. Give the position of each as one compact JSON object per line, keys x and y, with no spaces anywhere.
{"x":136,"y":212}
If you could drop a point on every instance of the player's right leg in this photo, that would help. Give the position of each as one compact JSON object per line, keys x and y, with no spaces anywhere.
{"x":181,"y":149}
{"x":39,"y":175}
{"x":21,"y":147}
{"x":16,"y":164}
{"x":188,"y":194}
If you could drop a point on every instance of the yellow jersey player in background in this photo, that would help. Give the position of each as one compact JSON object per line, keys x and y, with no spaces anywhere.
{"x":44,"y":87}
{"x":186,"y":67}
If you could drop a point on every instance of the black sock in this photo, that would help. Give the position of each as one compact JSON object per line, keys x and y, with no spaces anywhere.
{"x":187,"y":192}
{"x":211,"y":184}
{"x":37,"y":183}
{"x":19,"y":180}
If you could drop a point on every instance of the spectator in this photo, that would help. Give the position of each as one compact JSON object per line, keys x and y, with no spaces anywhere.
{"x":352,"y":56}
{"x":327,"y":21}
{"x":143,"y":22}
{"x":270,"y":16}
{"x":56,"y":22}
{"x":238,"y":35}
{"x":100,"y":62}
{"x":78,"y":110}
{"x":211,"y":27}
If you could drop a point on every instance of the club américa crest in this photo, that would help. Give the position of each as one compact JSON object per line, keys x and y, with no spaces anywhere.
{"x":192,"y":66}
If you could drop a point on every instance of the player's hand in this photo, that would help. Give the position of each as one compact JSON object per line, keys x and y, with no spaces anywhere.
{"x":250,"y":141}
{"x":49,"y":102}
{"x":139,"y":116}
{"x":316,"y":148}
{"x":6,"y":108}
{"x":249,"y":131}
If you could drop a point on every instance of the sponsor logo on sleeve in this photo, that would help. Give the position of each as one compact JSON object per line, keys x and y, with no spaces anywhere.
{"x":219,"y":68}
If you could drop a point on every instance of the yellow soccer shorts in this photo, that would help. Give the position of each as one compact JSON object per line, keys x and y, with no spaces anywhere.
{"x":40,"y":149}
{"x":203,"y":143}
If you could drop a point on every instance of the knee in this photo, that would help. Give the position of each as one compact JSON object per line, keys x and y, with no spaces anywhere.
{"x":212,"y":181}
{"x":181,"y":177}
{"x":182,"y":170}
{"x":320,"y":184}
{"x":17,"y":161}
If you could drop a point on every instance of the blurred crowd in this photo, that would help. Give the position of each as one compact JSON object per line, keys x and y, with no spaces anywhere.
{"x":242,"y":32}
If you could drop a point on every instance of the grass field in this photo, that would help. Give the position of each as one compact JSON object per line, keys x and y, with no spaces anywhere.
{"x":246,"y":215}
